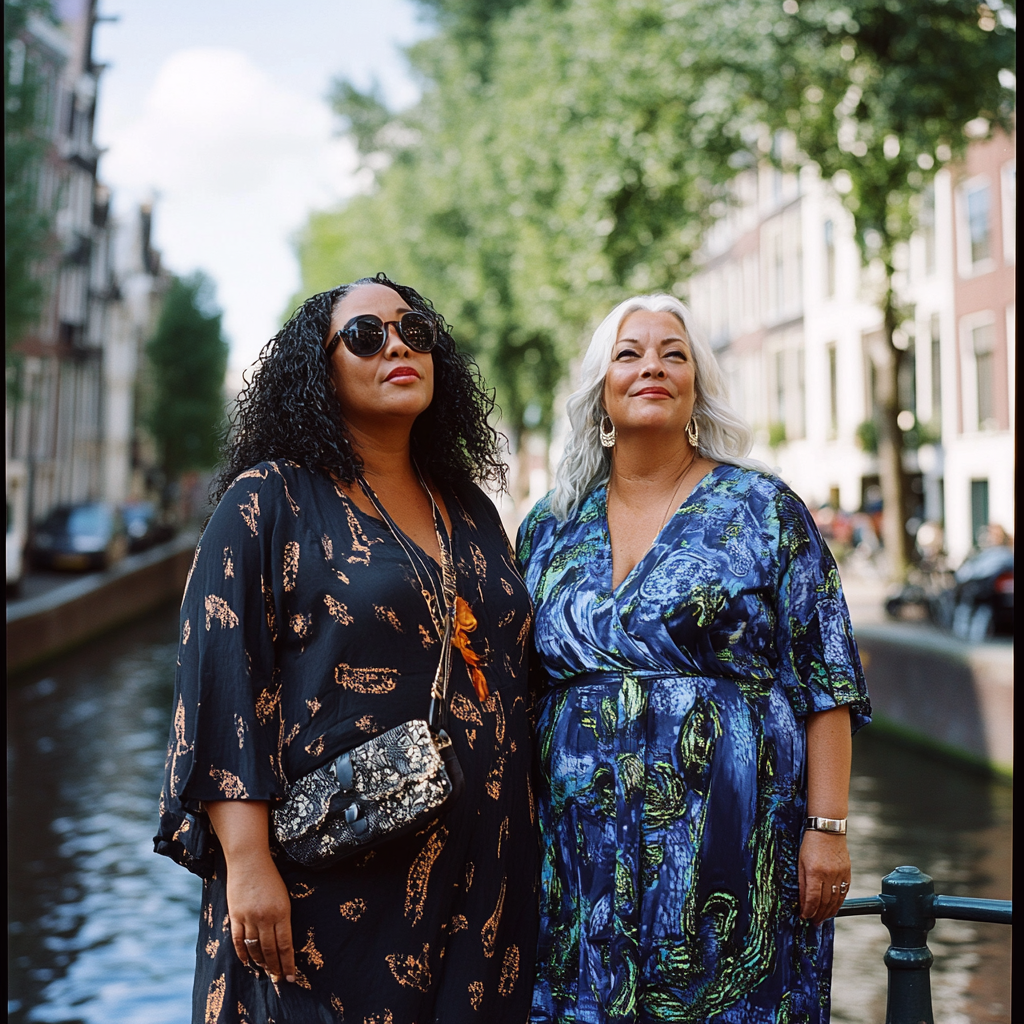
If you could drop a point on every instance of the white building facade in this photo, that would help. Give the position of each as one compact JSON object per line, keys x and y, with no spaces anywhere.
{"x":793,"y":317}
{"x":70,"y":415}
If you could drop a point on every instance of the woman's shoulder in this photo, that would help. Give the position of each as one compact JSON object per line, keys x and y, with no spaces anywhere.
{"x":260,"y":491}
{"x":475,"y":502}
{"x":277,"y":477}
{"x":757,"y":485}
{"x":537,"y":528}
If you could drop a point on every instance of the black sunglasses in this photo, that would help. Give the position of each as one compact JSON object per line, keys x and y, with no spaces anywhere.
{"x":366,"y":335}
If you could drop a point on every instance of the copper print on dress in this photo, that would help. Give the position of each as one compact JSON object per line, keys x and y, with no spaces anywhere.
{"x":317,"y":640}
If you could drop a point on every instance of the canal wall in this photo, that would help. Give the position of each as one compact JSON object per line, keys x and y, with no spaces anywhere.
{"x":940,"y":693}
{"x":41,"y":627}
{"x":926,"y":687}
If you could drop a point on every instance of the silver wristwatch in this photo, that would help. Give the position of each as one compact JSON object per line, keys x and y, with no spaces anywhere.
{"x":837,"y":826}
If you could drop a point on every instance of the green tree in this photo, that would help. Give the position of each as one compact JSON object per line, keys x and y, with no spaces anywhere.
{"x":27,"y":227}
{"x":880,"y":95}
{"x":528,"y":192}
{"x":187,"y":358}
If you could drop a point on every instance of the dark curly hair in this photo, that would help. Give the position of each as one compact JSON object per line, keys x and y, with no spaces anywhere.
{"x":289,"y":408}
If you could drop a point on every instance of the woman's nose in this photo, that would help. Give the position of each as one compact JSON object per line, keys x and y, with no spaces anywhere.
{"x":394,"y":344}
{"x":652,"y":367}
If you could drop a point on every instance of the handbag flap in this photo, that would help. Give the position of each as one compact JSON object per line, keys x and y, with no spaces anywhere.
{"x":382,"y":768}
{"x":394,"y":760}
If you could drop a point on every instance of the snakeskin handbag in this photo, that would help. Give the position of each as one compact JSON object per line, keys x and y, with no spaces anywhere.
{"x":387,"y":787}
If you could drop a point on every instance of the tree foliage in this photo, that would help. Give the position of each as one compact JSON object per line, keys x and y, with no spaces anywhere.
{"x":27,"y":227}
{"x":187,"y":358}
{"x":525,"y":201}
{"x":567,"y":153}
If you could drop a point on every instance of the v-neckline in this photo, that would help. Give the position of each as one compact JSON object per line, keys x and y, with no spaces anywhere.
{"x":382,"y":525}
{"x":612,"y":591}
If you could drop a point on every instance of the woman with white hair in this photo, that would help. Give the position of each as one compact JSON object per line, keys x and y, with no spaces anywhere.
{"x":700,"y":680}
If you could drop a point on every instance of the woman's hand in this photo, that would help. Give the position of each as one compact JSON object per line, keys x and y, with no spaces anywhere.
{"x":260,"y":909}
{"x":258,"y":902}
{"x":824,"y":875}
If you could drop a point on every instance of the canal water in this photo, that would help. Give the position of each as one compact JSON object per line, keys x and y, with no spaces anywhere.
{"x":102,"y":931}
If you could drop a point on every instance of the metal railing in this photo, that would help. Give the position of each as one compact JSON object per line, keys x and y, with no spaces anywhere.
{"x":909,"y":908}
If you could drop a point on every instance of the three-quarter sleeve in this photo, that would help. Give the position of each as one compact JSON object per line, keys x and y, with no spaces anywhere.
{"x":226,"y":716}
{"x":819,"y":663}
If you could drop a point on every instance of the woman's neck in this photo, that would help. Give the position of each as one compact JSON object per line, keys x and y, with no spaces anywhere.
{"x":643,"y":466}
{"x":385,"y":454}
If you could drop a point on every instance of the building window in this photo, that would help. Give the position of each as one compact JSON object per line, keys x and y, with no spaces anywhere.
{"x":830,"y":259}
{"x":979,"y":508}
{"x":833,"y":391}
{"x":780,"y":388}
{"x":907,"y":377}
{"x":979,"y":227}
{"x":801,"y":392}
{"x":983,"y":343}
{"x":927,"y":227}
{"x":936,"y":371}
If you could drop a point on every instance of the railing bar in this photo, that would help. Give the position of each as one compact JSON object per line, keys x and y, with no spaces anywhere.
{"x":861,"y":906}
{"x":959,"y":908}
{"x":964,"y":908}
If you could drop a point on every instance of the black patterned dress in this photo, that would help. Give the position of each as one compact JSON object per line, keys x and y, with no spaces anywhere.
{"x":303,"y":633}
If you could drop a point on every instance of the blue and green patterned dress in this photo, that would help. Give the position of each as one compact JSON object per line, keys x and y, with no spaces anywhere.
{"x":672,"y":757}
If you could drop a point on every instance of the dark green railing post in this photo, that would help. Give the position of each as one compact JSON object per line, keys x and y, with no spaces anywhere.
{"x":908,"y":895}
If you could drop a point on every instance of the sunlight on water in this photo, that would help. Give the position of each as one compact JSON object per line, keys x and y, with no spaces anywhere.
{"x":103,"y":931}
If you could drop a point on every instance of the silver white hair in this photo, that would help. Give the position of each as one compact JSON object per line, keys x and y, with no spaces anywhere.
{"x":724,"y":436}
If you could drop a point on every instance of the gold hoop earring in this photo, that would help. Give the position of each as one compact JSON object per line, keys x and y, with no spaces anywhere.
{"x":607,"y":436}
{"x":692,"y":432}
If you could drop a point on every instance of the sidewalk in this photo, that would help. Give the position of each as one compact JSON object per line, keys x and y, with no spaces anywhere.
{"x":60,"y":618}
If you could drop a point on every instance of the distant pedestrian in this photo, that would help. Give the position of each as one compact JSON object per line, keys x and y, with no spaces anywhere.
{"x":700,"y":679}
{"x":318,"y":615}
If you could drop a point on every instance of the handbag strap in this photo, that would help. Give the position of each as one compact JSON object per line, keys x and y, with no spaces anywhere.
{"x":439,"y":687}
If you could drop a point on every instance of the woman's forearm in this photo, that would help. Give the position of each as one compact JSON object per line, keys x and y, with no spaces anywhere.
{"x":828,"y":763}
{"x":258,"y":902}
{"x":824,"y":864}
{"x":241,"y":827}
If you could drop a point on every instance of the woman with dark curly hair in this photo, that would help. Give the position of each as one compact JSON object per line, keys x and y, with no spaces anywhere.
{"x":350,"y":553}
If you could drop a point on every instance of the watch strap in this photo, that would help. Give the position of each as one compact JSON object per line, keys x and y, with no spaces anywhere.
{"x":837,"y":826}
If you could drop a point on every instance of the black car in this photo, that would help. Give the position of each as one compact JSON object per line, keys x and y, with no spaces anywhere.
{"x":86,"y":536}
{"x":142,"y":521}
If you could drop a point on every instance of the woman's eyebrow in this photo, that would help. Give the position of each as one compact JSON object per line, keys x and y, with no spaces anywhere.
{"x":672,"y":340}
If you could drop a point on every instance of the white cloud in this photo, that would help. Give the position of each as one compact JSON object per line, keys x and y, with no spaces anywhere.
{"x":237,"y":162}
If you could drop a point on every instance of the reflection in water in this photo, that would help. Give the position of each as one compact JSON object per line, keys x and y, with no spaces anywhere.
{"x":103,"y":931}
{"x":906,"y":808}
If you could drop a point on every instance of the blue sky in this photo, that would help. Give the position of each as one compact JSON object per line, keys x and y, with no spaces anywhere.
{"x":216,"y":108}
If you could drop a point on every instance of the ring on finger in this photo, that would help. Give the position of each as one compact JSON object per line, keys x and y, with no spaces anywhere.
{"x":843,"y":886}
{"x":249,"y":944}
{"x":835,"y":889}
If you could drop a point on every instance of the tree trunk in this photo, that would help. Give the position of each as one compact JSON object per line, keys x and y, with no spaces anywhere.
{"x":897,"y":541}
{"x":521,"y":481}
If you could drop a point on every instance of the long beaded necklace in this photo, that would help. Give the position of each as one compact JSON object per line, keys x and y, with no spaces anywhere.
{"x":442,"y":622}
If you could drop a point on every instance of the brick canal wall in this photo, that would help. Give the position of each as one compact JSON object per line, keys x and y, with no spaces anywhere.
{"x":941,"y":693}
{"x":44,"y":626}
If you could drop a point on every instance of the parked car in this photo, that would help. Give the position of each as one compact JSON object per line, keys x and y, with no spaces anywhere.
{"x":142,"y":521}
{"x":15,"y":552}
{"x":86,"y":536}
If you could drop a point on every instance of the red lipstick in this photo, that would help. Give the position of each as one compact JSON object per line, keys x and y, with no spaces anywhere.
{"x":401,"y":371}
